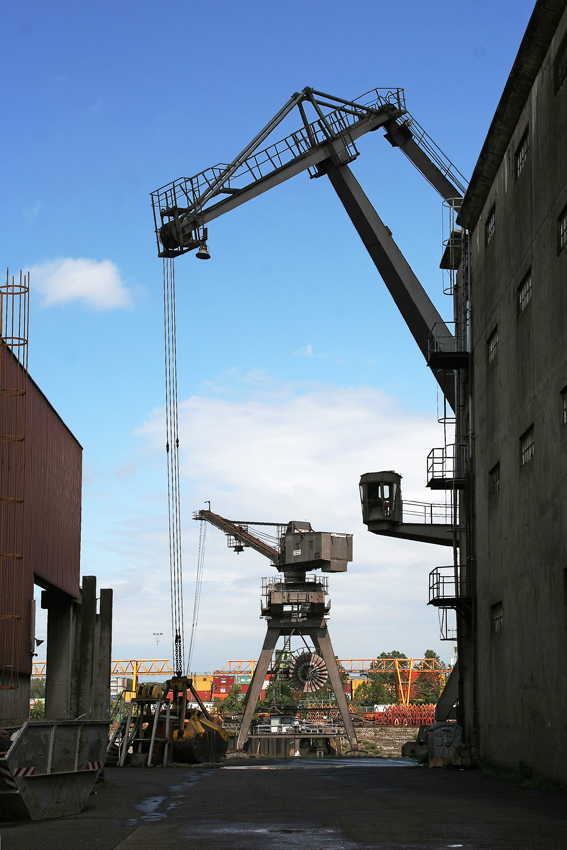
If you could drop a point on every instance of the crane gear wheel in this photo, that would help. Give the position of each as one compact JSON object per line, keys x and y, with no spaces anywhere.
{"x":308,"y":672}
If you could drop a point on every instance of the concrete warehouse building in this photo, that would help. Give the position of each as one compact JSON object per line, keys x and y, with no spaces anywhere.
{"x":511,"y":295}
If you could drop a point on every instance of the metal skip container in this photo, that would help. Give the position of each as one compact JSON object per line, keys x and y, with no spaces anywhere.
{"x":50,"y":768}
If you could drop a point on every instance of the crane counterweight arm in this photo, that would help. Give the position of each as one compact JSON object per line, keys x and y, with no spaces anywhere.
{"x":412,"y":300}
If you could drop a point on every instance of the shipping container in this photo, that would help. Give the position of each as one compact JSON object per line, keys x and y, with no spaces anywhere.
{"x":223,"y":680}
{"x":204,"y":695}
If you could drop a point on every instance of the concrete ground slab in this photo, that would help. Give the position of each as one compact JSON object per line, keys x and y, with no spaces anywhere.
{"x":358,"y":804}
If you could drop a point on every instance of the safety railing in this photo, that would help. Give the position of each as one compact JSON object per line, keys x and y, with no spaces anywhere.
{"x":430,"y":513}
{"x":444,"y":586}
{"x":450,"y":352}
{"x":447,"y":463}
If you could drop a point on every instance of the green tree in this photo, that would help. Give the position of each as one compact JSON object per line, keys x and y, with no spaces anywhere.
{"x":381,"y":688}
{"x":278,"y":694}
{"x":232,"y":703}
{"x":427,"y":687}
{"x":37,"y":689}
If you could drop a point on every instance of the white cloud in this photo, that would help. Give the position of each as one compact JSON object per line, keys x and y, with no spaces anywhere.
{"x":98,"y":284}
{"x":306,"y":351}
{"x":274,"y":455}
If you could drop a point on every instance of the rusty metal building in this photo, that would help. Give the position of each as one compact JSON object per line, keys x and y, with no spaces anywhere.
{"x":45,"y":499}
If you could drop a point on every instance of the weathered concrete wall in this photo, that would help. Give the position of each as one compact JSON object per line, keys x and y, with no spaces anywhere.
{"x":521,"y":524}
{"x":384,"y":741}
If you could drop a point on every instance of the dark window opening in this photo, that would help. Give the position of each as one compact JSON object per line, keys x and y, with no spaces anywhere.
{"x":492,"y":344}
{"x":524,"y":293}
{"x":496,"y":618}
{"x":527,"y":446}
{"x":490,"y":226}
{"x":562,"y":230}
{"x":521,"y":155}
{"x":494,"y":480}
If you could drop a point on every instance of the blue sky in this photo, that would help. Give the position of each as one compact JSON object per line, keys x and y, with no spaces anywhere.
{"x":296,"y":373}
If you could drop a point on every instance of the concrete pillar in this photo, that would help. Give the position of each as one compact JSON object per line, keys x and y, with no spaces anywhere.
{"x":59,"y":644}
{"x":82,"y":663}
{"x":91,"y":654}
{"x":103,"y":658}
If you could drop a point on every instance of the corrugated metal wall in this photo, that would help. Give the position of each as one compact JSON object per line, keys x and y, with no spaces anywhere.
{"x":52,"y":525}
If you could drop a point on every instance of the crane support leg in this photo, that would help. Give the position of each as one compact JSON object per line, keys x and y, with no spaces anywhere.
{"x":257,"y":682}
{"x":413,"y":302}
{"x":322,"y":641}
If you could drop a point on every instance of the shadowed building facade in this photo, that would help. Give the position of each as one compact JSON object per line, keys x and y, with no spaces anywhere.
{"x":512,"y":292}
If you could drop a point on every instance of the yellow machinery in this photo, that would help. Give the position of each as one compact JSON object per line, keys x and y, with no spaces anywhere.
{"x":196,"y":737}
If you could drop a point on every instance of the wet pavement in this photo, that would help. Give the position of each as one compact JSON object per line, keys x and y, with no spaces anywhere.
{"x":331,"y":804}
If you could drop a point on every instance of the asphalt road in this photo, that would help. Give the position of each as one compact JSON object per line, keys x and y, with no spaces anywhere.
{"x":303,"y":805}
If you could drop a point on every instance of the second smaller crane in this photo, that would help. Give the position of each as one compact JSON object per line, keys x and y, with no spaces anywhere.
{"x":294,"y":604}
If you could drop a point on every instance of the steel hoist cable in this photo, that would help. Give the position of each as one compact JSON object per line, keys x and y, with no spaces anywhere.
{"x":172,"y":452}
{"x":198,"y":583}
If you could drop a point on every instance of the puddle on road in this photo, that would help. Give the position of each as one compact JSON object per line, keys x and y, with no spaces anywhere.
{"x":306,"y":764}
{"x":153,"y":809}
{"x":250,"y":836}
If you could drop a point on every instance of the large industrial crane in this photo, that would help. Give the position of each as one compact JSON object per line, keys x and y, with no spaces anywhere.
{"x":323,"y":146}
{"x":294,"y":604}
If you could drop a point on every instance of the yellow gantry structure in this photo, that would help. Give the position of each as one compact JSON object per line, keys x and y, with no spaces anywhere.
{"x":405,"y":669}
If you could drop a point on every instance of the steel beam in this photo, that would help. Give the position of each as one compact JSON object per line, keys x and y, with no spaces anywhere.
{"x":258,"y":680}
{"x":303,"y":162}
{"x":413,"y":302}
{"x":322,"y":641}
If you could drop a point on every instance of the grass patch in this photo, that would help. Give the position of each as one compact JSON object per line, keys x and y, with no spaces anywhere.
{"x":524,"y":776}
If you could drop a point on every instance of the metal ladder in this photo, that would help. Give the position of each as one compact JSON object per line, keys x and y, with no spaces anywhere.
{"x":132,"y":730}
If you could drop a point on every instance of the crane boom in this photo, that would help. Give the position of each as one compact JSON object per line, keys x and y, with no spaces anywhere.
{"x":323,"y":146}
{"x":183,"y":207}
{"x":239,"y":533}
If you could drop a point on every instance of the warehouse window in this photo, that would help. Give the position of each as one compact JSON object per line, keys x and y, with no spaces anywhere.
{"x":490,"y":225}
{"x":494,"y":480}
{"x":560,"y":64}
{"x":527,"y":446}
{"x":521,"y":154}
{"x":562,"y":230}
{"x":492,"y":344}
{"x":524,"y":293}
{"x":496,"y":618}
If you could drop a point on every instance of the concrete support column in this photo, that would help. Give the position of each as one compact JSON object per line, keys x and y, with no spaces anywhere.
{"x":59,"y":646}
{"x":82,"y":664}
{"x":103,"y":657}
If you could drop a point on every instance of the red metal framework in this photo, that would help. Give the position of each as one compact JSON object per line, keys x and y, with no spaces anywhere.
{"x":14,"y":325}
{"x":401,"y":715}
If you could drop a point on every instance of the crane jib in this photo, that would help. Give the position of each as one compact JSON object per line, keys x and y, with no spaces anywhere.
{"x":326,"y":145}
